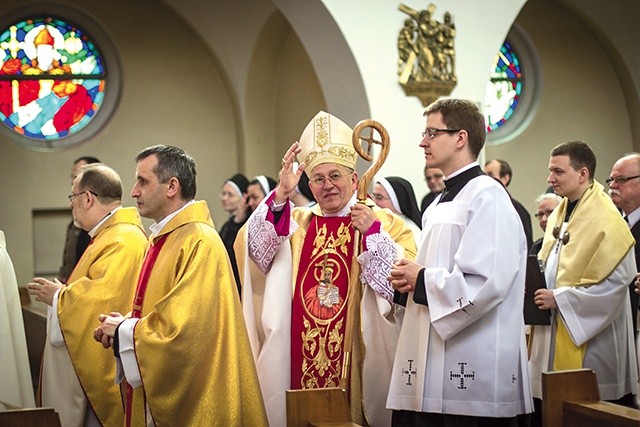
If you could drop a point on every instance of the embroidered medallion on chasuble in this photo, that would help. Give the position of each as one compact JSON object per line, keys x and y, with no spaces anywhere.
{"x":319,"y":311}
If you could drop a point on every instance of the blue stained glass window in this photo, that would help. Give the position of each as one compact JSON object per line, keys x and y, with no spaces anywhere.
{"x":504,"y":88}
{"x":52,"y":78}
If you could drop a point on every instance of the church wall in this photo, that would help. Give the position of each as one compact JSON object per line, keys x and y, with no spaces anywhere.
{"x":235,"y":86}
{"x":173,"y":93}
{"x":582,"y":95}
{"x":283,"y":94}
{"x":582,"y":99}
{"x":371,"y":30}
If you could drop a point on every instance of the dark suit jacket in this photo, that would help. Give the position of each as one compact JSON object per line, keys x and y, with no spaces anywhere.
{"x":635,"y":230}
{"x":526,"y":221}
{"x":426,"y":200}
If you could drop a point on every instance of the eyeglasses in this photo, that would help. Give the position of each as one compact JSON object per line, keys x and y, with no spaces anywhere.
{"x":432,"y":132}
{"x":72,"y":196}
{"x":543,"y":214}
{"x":379,"y":197}
{"x":436,"y":176}
{"x":620,"y":179}
{"x":334,"y":178}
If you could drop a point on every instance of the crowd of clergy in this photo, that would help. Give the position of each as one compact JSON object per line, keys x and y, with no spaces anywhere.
{"x":325,"y":278}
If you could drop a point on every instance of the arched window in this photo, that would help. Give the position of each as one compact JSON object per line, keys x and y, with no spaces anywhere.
{"x":513,"y":90}
{"x":54,"y":81}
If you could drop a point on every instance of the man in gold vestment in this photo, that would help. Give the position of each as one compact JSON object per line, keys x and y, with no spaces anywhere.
{"x":309,"y":316}
{"x":77,"y":377}
{"x":184,"y":349}
{"x":589,"y":260}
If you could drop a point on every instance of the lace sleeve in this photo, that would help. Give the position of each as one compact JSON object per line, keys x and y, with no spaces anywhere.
{"x":376,"y":263}
{"x":262,"y":238}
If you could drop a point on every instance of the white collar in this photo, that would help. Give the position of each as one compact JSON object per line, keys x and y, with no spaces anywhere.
{"x":158,"y":226}
{"x":93,"y":231}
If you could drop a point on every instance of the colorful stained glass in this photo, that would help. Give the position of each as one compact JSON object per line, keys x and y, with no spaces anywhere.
{"x":504,"y":89}
{"x":52,"y":78}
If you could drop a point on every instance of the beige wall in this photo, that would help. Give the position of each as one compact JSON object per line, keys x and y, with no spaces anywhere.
{"x":173,"y":93}
{"x":581,"y":99}
{"x":176,"y":90}
{"x":235,"y":82}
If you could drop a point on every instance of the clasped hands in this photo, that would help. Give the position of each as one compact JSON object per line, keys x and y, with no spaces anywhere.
{"x":107,"y":329}
{"x":404,"y":274}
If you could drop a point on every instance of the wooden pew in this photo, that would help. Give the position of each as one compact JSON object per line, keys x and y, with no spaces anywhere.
{"x":41,"y":417}
{"x":35,"y":327}
{"x":571,"y":399}
{"x":318,"y":407}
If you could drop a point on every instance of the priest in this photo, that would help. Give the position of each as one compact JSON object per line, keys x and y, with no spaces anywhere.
{"x":183,"y":349}
{"x":77,"y":379}
{"x":589,"y":260}
{"x":311,"y":310}
{"x":461,"y":357}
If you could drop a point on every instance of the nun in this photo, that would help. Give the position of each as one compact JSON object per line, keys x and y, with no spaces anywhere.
{"x":397,"y":195}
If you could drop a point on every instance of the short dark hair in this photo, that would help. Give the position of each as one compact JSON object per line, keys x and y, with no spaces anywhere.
{"x":580,"y":155}
{"x":465,"y":115}
{"x":87,"y":159}
{"x":101,"y":180}
{"x":505,"y":168}
{"x":173,"y":162}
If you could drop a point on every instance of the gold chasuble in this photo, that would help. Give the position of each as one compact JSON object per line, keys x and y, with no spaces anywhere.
{"x":595,"y":240}
{"x":191,"y":343}
{"x":103,"y":280}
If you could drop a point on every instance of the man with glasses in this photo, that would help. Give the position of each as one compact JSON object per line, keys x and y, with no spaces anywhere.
{"x":307,"y":321}
{"x":461,"y":357}
{"x":545,"y":204}
{"x":624,"y":189}
{"x":588,"y":259}
{"x":77,"y":378}
{"x":77,"y":239}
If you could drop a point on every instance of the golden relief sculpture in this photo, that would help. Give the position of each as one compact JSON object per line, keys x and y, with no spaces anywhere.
{"x":426,"y":55}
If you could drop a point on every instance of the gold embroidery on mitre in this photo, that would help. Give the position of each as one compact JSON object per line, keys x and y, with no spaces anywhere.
{"x":327,"y":139}
{"x":321,"y":131}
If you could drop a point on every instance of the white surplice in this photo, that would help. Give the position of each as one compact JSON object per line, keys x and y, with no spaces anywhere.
{"x":15,"y":377}
{"x":465,"y":352}
{"x":599,"y":315}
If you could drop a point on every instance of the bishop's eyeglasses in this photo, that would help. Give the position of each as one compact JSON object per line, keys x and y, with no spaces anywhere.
{"x":619,"y":179}
{"x":334,"y":178}
{"x":431,"y":133}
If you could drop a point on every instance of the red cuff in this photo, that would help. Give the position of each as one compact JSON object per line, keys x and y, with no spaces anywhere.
{"x":284,"y":216}
{"x":374,"y":229}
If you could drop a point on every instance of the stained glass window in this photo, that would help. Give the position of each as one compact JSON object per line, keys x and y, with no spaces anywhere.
{"x":513,"y":91}
{"x":53,"y":78}
{"x":504,"y":89}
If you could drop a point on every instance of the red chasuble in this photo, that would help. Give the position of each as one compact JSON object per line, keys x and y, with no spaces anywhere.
{"x":319,"y":308}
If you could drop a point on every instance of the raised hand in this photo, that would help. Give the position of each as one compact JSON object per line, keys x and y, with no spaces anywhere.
{"x":289,"y":177}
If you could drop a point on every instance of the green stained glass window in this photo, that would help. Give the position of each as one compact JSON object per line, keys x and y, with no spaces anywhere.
{"x":53,"y":78}
{"x":504,"y":89}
